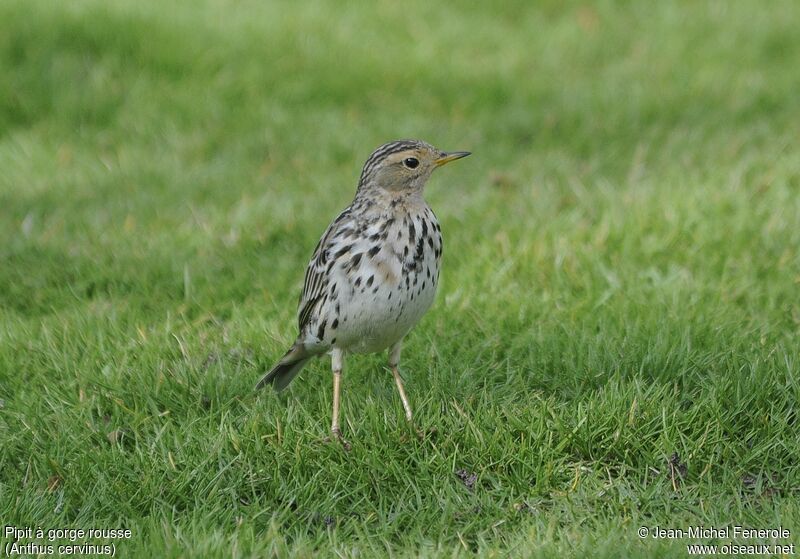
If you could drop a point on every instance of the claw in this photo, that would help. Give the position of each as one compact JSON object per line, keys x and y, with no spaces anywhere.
{"x":336,"y":434}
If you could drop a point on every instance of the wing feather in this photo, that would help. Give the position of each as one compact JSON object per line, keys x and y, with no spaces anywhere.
{"x":316,"y":279}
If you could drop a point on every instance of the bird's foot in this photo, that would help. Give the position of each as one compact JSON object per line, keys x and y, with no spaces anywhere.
{"x":421,"y":434}
{"x":426,"y":434}
{"x":336,"y":435}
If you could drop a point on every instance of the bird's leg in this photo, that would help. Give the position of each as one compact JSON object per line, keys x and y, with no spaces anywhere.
{"x":394,"y":361}
{"x":336,"y":364}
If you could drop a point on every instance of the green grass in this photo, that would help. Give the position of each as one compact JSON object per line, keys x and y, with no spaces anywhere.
{"x":621,"y":274}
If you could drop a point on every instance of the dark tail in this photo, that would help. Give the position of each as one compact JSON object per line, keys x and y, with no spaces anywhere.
{"x":287,"y":368}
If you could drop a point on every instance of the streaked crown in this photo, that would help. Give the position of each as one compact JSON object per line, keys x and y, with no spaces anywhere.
{"x":403,"y":165}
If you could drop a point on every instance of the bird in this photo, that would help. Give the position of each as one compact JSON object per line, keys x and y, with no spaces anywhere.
{"x":374,"y":271}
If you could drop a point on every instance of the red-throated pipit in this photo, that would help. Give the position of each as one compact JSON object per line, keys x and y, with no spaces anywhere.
{"x":374,"y":271}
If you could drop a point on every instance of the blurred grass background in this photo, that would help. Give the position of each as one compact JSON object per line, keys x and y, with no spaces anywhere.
{"x":620,"y":279}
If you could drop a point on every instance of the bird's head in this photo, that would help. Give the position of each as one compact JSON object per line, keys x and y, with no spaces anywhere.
{"x":404,"y":166}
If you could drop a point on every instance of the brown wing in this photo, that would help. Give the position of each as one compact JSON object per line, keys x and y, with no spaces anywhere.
{"x":316,"y":280}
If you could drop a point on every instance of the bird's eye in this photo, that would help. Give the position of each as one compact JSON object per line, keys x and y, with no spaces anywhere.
{"x":411,"y":162}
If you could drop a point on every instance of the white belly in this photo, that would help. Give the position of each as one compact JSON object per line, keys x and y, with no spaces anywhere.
{"x":375,"y":316}
{"x":380,"y":286}
{"x":374,"y":321}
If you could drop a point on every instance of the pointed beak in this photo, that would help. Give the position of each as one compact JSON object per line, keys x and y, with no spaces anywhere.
{"x":448,"y":156}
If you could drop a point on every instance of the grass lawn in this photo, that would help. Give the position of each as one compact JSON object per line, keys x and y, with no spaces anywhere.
{"x":615,"y":342}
